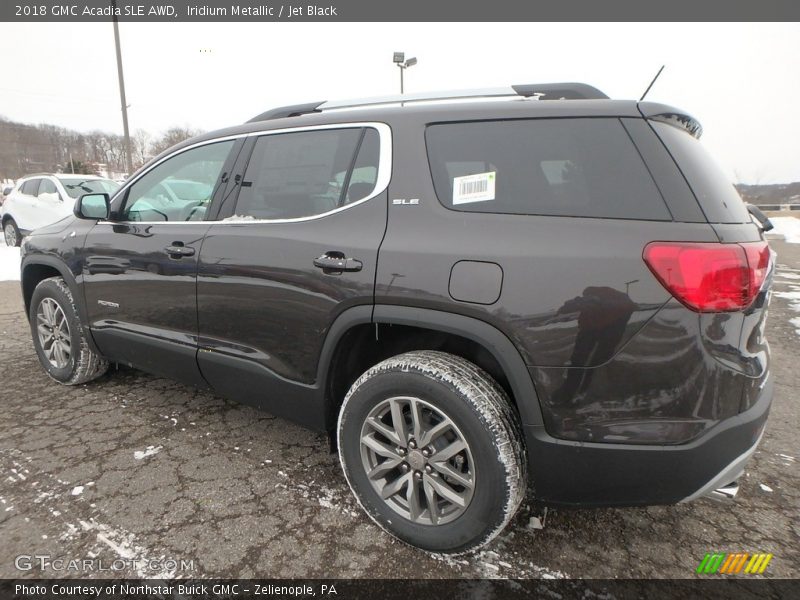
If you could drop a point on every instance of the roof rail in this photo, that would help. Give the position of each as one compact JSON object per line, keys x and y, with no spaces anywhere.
{"x":282,"y":112}
{"x":542,"y":91}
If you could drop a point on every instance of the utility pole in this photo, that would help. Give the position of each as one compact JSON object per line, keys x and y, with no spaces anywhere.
{"x":123,"y":101}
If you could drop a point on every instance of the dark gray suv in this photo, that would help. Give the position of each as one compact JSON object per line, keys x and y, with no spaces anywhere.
{"x":556,"y":293}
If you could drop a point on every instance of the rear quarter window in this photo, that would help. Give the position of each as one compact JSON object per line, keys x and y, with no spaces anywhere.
{"x":30,"y":187}
{"x":715,"y":193}
{"x":582,"y":167}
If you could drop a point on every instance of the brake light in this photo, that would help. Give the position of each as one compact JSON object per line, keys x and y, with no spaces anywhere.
{"x":710,"y":277}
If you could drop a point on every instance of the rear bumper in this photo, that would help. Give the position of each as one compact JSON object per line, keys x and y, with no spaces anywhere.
{"x":594,"y":474}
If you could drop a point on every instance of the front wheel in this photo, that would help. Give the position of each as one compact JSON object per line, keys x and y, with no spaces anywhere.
{"x":432,"y":450}
{"x":59,"y":337}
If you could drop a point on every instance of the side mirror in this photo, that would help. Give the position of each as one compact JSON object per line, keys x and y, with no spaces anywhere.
{"x":7,"y":190}
{"x":92,"y":206}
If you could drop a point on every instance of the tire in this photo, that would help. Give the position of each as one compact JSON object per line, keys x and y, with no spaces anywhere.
{"x":11,"y":233}
{"x":483,"y":483}
{"x":66,"y":355}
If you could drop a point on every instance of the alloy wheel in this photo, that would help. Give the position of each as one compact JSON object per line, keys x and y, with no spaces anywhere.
{"x":417,"y":460}
{"x":52,"y":329}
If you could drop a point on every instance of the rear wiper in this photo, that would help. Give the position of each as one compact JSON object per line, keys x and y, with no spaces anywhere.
{"x":759,"y":216}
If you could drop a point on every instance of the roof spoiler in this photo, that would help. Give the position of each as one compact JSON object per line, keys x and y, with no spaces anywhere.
{"x":671,"y":116}
{"x":541,"y":91}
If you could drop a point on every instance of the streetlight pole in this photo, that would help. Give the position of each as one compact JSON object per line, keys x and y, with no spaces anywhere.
{"x":400,"y":60}
{"x":123,"y":101}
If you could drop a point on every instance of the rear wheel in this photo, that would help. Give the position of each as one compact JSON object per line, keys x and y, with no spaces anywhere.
{"x":11,"y":233}
{"x":59,"y":337}
{"x":432,"y":450}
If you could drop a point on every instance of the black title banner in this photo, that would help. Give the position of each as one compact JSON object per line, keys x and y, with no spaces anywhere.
{"x":405,"y":10}
{"x":709,"y":588}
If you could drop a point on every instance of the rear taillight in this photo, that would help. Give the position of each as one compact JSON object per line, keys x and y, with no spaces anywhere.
{"x":710,"y":277}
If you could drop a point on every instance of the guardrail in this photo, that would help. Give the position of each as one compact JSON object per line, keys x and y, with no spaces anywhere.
{"x":778,"y":206}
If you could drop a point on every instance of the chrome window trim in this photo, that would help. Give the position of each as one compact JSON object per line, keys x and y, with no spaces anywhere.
{"x":381,"y":184}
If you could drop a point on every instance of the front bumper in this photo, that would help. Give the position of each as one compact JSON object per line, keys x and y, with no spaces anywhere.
{"x":598,"y":474}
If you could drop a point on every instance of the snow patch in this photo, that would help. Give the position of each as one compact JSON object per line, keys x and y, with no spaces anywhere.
{"x":793,"y":297}
{"x":765,"y":487}
{"x":149,"y":451}
{"x":123,"y":544}
{"x":77,"y":490}
{"x":796,"y":323}
{"x":786,"y":227}
{"x":9,"y":263}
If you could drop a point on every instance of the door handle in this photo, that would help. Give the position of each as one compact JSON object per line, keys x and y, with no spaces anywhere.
{"x":336,"y":262}
{"x":178,"y":250}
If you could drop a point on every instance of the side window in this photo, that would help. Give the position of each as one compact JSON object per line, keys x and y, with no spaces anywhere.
{"x":719,"y":200}
{"x":47,"y":190}
{"x":179,"y":189}
{"x":562,"y":167}
{"x":293,"y":175}
{"x":364,"y":175}
{"x":30,"y":187}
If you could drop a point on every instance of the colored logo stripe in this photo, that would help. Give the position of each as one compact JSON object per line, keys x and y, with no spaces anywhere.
{"x":731,"y":564}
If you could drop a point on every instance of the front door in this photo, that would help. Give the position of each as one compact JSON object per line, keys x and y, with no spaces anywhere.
{"x":140,"y":269}
{"x":298,"y":246}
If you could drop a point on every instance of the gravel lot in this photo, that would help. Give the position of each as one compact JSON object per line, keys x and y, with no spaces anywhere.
{"x":138,"y":467}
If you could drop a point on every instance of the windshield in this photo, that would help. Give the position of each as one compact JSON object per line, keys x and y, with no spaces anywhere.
{"x":77,"y":187}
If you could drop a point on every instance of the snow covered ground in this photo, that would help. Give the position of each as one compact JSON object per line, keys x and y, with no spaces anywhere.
{"x":787,"y":228}
{"x":9,"y":262}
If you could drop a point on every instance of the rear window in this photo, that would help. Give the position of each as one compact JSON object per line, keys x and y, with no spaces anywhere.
{"x":560,"y":167}
{"x":308,"y":173}
{"x":718,"y":198}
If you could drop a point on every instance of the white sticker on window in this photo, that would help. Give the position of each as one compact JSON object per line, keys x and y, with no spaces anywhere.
{"x":473,"y":188}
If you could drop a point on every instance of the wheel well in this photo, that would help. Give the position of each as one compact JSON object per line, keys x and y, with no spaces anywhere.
{"x":6,"y":218}
{"x":31,"y":277}
{"x":367,"y":344}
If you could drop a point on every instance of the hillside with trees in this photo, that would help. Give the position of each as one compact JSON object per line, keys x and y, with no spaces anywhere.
{"x":26,"y":149}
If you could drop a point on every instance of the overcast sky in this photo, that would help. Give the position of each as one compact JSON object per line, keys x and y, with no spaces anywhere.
{"x":742,"y":81}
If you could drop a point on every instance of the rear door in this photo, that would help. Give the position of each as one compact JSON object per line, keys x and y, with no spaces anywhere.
{"x":140,"y":270}
{"x":294,"y":248}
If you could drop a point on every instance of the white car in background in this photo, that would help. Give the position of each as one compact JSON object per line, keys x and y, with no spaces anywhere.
{"x":39,"y":200}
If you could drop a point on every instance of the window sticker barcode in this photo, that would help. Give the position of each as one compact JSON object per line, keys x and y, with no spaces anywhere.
{"x":474,"y":188}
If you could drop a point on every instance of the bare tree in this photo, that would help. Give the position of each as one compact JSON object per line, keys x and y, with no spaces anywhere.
{"x":172,"y":136}
{"x":140,"y":147}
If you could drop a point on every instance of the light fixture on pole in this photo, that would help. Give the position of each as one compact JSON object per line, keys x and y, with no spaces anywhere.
{"x":399,"y":59}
